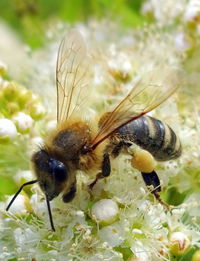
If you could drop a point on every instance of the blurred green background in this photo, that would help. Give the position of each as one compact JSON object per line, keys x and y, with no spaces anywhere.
{"x":31,"y":18}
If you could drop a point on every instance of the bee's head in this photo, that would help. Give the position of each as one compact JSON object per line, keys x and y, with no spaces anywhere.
{"x":51,"y":173}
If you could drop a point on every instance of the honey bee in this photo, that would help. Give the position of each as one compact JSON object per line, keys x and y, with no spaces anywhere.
{"x":77,"y":144}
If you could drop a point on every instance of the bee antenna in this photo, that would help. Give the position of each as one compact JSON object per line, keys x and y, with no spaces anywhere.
{"x":16,"y":194}
{"x":50,"y":215}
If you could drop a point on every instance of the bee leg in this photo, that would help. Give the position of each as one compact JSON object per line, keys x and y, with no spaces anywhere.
{"x":69,"y":195}
{"x":153,"y":184}
{"x":105,"y":170}
{"x":118,"y":148}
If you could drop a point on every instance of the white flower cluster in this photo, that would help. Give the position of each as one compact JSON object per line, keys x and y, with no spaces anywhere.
{"x":19,"y":109}
{"x":119,"y":220}
{"x":186,"y":12}
{"x":167,"y":13}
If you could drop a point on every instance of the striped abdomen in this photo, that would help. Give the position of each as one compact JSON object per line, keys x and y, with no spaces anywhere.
{"x":152,"y":135}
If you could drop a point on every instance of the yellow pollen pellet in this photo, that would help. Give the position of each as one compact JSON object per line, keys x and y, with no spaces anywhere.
{"x":143,"y":161}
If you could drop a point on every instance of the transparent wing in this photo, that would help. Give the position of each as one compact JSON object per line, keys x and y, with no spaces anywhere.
{"x":149,"y":92}
{"x":70,"y":75}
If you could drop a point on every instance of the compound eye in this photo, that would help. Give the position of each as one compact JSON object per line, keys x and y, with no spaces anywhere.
{"x":58,"y":169}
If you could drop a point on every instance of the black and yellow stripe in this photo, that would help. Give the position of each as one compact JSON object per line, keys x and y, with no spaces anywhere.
{"x":152,"y":135}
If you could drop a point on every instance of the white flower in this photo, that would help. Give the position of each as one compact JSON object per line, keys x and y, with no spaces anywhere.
{"x":7,"y":129}
{"x":140,"y":256}
{"x":51,"y":125}
{"x":179,"y":243}
{"x":147,"y":8}
{"x":192,"y":13}
{"x":23,"y":175}
{"x":163,"y":11}
{"x":26,"y":238}
{"x":38,"y":205}
{"x":192,"y":204}
{"x":120,"y":62}
{"x":36,"y":141}
{"x":114,"y":234}
{"x":18,"y":206}
{"x":181,"y":42}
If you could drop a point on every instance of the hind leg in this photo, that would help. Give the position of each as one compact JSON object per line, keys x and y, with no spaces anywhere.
{"x":153,"y":184}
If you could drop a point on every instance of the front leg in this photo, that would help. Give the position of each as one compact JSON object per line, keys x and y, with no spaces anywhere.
{"x":105,"y":170}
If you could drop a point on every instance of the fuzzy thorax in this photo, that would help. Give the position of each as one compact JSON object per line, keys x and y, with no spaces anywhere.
{"x":67,"y":141}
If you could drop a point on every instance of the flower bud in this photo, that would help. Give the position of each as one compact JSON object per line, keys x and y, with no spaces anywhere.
{"x":12,"y":107}
{"x":23,"y":121}
{"x":7,"y":129}
{"x":105,"y":211}
{"x":11,"y":91}
{"x":24,"y":97}
{"x":37,"y":111}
